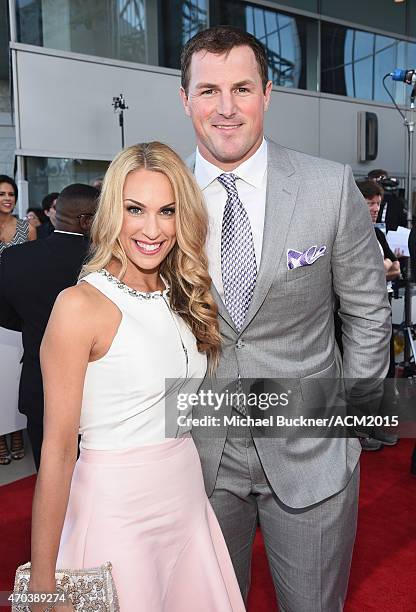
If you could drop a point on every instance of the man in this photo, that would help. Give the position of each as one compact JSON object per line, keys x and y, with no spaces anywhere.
{"x":31,"y":276}
{"x":49,"y":208}
{"x":286,"y":232}
{"x":373,"y":193}
{"x":391,"y":208}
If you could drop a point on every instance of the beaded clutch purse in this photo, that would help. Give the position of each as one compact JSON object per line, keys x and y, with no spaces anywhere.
{"x":88,"y":589}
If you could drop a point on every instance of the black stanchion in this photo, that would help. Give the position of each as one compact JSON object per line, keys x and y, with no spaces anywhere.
{"x":119,"y":105}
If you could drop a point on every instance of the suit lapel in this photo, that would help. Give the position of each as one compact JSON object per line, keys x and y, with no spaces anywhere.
{"x":222,"y":310}
{"x":282,"y":189}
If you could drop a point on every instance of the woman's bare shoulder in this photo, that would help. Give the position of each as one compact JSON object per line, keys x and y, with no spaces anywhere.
{"x":81,"y":299}
{"x":84,"y":299}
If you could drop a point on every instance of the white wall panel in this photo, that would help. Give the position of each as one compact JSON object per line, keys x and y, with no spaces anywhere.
{"x":338,"y":134}
{"x":65,"y":107}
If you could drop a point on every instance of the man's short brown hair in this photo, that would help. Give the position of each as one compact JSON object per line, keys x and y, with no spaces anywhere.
{"x":219,"y":40}
{"x":370,"y":189}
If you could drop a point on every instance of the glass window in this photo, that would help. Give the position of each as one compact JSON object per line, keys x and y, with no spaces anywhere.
{"x":306,"y":5}
{"x":381,"y":14}
{"x":47,"y":174}
{"x":411,"y":56}
{"x":7,"y":136}
{"x":29,"y":21}
{"x":411,"y":19}
{"x":107,"y":28}
{"x":290,"y":41}
{"x":354,"y":63}
{"x":4,"y":61}
{"x":179,"y":21}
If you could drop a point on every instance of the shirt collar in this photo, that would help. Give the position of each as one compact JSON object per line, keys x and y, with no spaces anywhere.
{"x":71,"y":233}
{"x":251,"y":171}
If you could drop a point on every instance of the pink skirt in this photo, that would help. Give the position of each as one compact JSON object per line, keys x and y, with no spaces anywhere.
{"x":146,"y":510}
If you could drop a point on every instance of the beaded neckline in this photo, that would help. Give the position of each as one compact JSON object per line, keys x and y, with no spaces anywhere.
{"x":141,"y":295}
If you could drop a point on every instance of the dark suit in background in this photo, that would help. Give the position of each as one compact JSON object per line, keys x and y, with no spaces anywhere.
{"x":45,"y":230}
{"x":31,"y":277}
{"x":412,"y":251}
{"x":395,"y":213}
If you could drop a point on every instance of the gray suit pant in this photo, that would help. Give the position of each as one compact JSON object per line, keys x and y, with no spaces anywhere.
{"x":309,"y":549}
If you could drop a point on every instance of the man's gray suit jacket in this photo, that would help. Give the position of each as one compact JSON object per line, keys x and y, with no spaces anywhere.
{"x":289,"y":328}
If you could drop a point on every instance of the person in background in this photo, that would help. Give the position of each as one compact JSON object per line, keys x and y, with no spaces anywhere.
{"x":373,"y":194}
{"x":391,"y":211}
{"x":98,"y":182}
{"x":12,"y":231}
{"x":31,"y":276}
{"x":49,"y":208}
{"x":36,"y":217}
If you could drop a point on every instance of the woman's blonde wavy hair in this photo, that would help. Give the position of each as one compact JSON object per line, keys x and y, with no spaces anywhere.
{"x":185,"y":269}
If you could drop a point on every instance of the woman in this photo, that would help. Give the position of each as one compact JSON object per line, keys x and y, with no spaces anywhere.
{"x":12,"y":231}
{"x":141,"y":320}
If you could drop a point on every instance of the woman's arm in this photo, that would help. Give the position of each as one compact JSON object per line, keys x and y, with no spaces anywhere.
{"x":65,"y":352}
{"x":32,"y":233}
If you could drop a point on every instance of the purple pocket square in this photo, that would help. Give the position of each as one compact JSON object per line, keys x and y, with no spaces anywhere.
{"x":297,"y":259}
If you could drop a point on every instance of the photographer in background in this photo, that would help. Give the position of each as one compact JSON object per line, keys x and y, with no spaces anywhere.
{"x":392,"y":212}
{"x":31,"y":277}
{"x":373,"y":194}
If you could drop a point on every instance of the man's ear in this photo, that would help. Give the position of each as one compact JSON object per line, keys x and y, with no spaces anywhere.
{"x":185,"y":101}
{"x":267,"y":95}
{"x":85,"y":225}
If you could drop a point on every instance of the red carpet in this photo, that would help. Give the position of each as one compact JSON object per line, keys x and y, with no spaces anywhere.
{"x":16,"y":507}
{"x":384,"y":563}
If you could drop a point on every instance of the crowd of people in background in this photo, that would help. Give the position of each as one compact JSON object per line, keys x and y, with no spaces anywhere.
{"x":13,"y":231}
{"x":26,"y":299}
{"x":387,"y":212}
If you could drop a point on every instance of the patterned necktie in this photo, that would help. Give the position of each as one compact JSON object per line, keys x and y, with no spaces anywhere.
{"x":238,"y":258}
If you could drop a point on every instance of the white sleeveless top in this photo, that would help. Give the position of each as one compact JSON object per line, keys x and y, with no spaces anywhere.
{"x":123,"y":403}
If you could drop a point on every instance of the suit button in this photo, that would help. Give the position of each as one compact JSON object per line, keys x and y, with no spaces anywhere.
{"x":239,"y":344}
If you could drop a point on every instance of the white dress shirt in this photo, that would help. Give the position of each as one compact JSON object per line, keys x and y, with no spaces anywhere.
{"x":251,"y":186}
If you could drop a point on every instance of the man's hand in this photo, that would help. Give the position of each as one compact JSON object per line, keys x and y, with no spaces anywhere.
{"x":392,"y":269}
{"x":399,"y":252}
